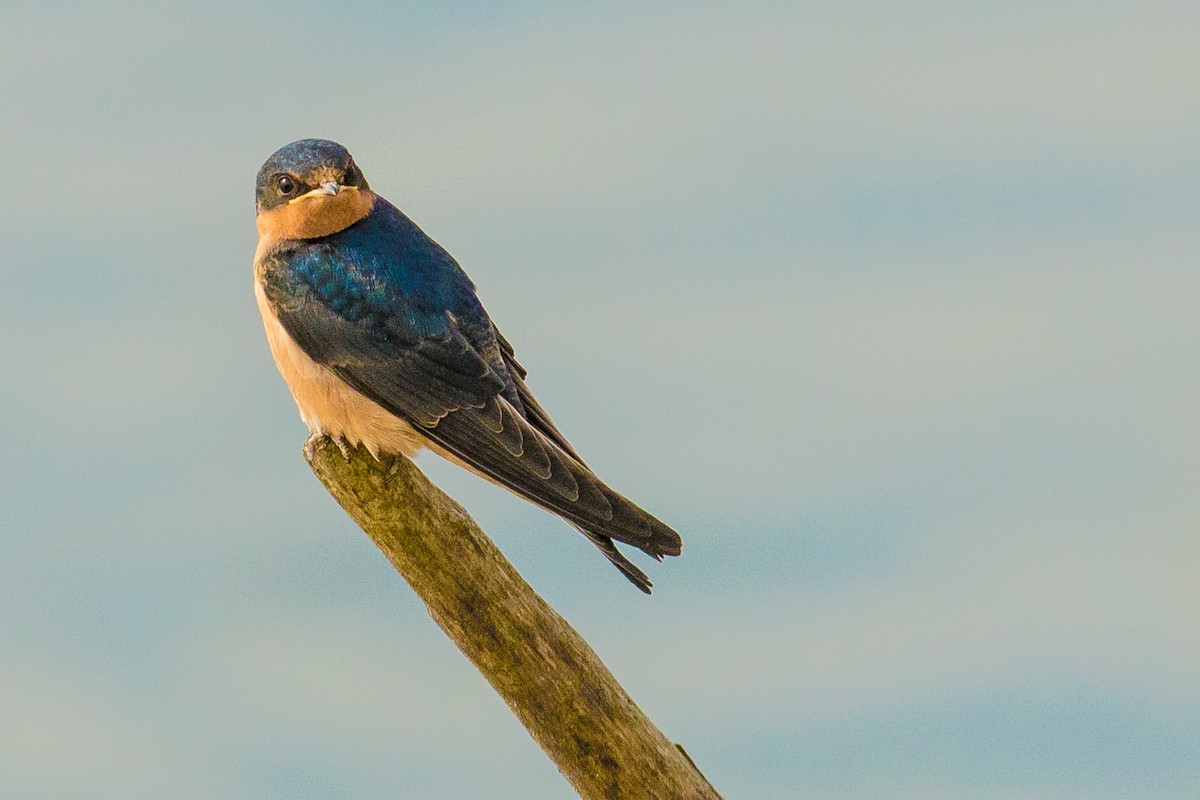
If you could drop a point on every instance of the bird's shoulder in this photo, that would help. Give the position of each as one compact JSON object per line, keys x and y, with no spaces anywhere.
{"x":384,"y":303}
{"x":382,"y":265}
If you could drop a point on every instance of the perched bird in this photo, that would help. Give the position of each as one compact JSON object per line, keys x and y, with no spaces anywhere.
{"x":382,"y":341}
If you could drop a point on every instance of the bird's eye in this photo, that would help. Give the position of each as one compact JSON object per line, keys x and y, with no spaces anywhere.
{"x":286,"y":185}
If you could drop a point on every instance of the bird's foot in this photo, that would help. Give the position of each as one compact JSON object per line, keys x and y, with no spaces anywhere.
{"x":310,"y":445}
{"x":342,"y":445}
{"x":314,"y":438}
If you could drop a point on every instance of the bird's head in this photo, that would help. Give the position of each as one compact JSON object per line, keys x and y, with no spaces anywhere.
{"x":310,"y":188}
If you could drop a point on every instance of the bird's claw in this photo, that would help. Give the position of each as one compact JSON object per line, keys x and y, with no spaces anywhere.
{"x":310,"y":446}
{"x":342,"y":445}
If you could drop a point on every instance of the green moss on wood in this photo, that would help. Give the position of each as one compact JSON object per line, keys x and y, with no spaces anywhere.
{"x":549,"y":676}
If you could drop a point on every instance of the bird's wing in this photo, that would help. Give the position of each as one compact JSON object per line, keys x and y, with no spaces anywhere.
{"x":414,"y":359}
{"x":533,"y":410}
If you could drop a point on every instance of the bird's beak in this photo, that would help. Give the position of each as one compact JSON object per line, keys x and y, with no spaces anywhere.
{"x":327,"y":189}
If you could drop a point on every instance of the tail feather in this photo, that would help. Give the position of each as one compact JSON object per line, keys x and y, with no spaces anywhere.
{"x":610,"y":551}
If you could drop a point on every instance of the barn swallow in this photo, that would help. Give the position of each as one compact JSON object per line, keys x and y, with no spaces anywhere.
{"x":382,"y":340}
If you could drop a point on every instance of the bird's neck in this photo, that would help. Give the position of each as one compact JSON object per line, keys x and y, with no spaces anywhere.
{"x":312,"y":218}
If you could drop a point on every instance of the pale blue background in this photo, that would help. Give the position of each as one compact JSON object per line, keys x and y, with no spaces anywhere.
{"x":892,"y":311}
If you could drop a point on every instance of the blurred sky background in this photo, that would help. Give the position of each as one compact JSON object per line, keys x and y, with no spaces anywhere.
{"x":891,"y":309}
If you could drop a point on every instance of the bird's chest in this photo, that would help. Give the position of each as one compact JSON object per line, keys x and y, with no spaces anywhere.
{"x":326,"y":403}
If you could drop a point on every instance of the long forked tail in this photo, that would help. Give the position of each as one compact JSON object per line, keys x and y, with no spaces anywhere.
{"x":499,"y":444}
{"x":610,"y":551}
